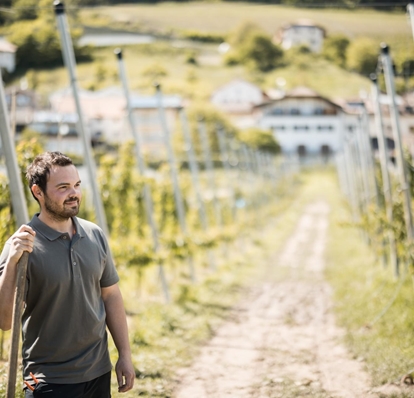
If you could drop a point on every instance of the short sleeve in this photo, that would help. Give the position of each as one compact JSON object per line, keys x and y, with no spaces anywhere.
{"x":109,"y":275}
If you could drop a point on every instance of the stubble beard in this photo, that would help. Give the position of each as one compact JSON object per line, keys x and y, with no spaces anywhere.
{"x":61,"y":212}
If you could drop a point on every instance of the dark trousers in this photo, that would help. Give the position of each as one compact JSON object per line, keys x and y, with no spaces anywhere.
{"x":97,"y":388}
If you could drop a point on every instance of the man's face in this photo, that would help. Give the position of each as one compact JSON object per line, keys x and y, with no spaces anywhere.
{"x":63,"y":194}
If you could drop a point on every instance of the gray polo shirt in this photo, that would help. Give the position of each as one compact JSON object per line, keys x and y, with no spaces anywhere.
{"x":63,"y":322}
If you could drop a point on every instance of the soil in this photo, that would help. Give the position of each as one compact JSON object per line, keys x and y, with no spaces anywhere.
{"x":282,"y":340}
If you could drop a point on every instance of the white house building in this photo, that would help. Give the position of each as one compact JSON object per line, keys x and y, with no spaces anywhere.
{"x":7,"y":55}
{"x":238,"y":99}
{"x":304,"y":122}
{"x":147,"y":118}
{"x":103,"y":110}
{"x":303,"y":32}
{"x":105,"y":115}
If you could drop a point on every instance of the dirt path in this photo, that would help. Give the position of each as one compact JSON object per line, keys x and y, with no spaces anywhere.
{"x":281,"y":341}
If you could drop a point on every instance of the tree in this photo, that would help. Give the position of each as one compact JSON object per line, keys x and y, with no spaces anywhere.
{"x":257,"y":138}
{"x":362,"y":55}
{"x":334,"y":49}
{"x":242,"y":32}
{"x":25,"y":9}
{"x":260,"y":53}
{"x":253,"y":47}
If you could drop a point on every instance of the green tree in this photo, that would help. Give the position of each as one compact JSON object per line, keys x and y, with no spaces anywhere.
{"x":260,"y":53}
{"x":25,"y":9}
{"x":242,"y":32}
{"x":334,"y":49}
{"x":253,"y":47}
{"x":362,"y":55}
{"x":259,"y":139}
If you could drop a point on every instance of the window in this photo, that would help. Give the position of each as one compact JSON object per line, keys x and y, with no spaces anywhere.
{"x":328,"y":128}
{"x":301,"y":128}
{"x":275,"y":111}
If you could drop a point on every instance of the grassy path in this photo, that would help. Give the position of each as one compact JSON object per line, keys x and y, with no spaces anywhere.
{"x":281,"y":340}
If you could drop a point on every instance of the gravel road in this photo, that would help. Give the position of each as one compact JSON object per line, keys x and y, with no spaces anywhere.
{"x":281,"y":340}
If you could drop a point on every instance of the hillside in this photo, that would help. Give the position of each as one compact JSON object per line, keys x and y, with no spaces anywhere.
{"x":195,"y":69}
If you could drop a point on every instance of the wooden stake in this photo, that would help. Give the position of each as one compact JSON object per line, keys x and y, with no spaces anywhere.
{"x":16,"y":322}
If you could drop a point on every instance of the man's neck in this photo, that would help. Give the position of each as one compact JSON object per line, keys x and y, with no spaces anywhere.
{"x":64,"y":226}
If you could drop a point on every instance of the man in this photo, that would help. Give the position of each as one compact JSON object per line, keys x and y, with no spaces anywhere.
{"x":71,"y":292}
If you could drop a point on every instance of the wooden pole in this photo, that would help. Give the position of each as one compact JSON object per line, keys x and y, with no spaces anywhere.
{"x":16,"y":322}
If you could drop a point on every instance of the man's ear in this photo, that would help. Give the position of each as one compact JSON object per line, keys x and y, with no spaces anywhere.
{"x":37,"y":192}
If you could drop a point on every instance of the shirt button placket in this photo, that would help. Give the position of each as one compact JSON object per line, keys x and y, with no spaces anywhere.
{"x":76,"y":270}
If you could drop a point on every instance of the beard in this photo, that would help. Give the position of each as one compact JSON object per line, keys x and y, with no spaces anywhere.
{"x":61,"y":212}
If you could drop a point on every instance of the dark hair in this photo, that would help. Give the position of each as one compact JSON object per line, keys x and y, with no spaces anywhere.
{"x":38,"y":171}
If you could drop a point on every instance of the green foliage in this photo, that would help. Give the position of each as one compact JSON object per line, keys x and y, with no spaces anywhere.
{"x":335,"y":47}
{"x":379,"y":328}
{"x":33,"y":30}
{"x":254,"y":48}
{"x":37,"y":43}
{"x":251,"y":46}
{"x":155,"y":72}
{"x":362,"y":55}
{"x":262,"y":140}
{"x":242,"y":32}
{"x":25,"y":9}
{"x":260,"y":53}
{"x":27,"y":149}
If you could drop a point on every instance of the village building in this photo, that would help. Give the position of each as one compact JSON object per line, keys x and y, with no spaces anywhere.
{"x":106,"y":116}
{"x":238,"y":100}
{"x":149,"y":125}
{"x":301,"y":33}
{"x":304,"y":122}
{"x":7,"y":55}
{"x":21,"y":104}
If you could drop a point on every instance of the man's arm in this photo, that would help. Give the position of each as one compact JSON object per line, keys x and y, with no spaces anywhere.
{"x":21,"y":241}
{"x":117,"y":325}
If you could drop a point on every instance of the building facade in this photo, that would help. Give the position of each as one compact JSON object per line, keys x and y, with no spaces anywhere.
{"x":301,"y":33}
{"x":304,"y":123}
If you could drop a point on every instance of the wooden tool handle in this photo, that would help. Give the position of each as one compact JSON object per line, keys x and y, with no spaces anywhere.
{"x":16,"y":322}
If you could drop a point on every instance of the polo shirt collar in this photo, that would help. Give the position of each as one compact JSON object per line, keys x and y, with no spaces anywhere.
{"x":51,"y":233}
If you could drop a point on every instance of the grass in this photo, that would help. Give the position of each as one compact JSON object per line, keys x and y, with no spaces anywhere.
{"x":379,"y":329}
{"x":221,"y":17}
{"x":198,"y":81}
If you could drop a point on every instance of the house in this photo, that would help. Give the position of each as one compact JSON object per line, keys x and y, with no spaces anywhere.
{"x":7,"y":55}
{"x":238,"y":99}
{"x":303,"y":32}
{"x":405,"y":105}
{"x":103,"y":111}
{"x":147,"y":118}
{"x":304,"y":122}
{"x":106,"y":115}
{"x":21,"y":104}
{"x":60,"y":131}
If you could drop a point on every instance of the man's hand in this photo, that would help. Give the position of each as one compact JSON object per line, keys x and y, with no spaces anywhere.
{"x":22,"y":240}
{"x":125,"y":374}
